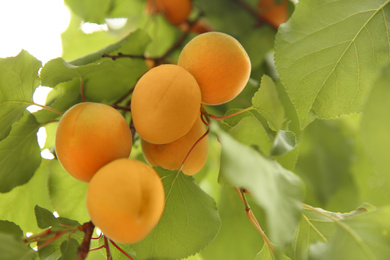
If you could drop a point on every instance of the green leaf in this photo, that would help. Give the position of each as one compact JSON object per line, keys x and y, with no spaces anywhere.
{"x":69,"y":249}
{"x":12,"y":248}
{"x":325,"y":160}
{"x":278,"y":191}
{"x":133,"y":44}
{"x":18,"y":81}
{"x":18,"y":205}
{"x":110,"y":84}
{"x":67,"y":194}
{"x":58,"y":70}
{"x":328,"y":53}
{"x":250,"y":131}
{"x":61,"y":98}
{"x":93,"y":11}
{"x":361,"y":236}
{"x":235,"y":224}
{"x":7,"y":227}
{"x":267,"y":254}
{"x":376,"y":126}
{"x":64,"y":247}
{"x":284,"y":142}
{"x":267,"y":102}
{"x":45,"y":218}
{"x":20,"y":154}
{"x":189,"y":223}
{"x":76,"y":43}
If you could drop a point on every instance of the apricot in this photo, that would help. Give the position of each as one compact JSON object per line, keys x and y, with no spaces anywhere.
{"x":219,"y":64}
{"x":125,"y":200}
{"x":175,"y":11}
{"x":272,"y":12}
{"x":171,"y":156}
{"x":90,"y":135}
{"x":165,"y":104}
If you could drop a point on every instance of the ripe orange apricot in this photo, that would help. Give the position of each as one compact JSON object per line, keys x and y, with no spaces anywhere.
{"x":90,"y":135}
{"x":175,"y":11}
{"x":170,"y":156}
{"x":220,"y":65}
{"x":272,"y":12}
{"x":125,"y":200}
{"x":165,"y":104}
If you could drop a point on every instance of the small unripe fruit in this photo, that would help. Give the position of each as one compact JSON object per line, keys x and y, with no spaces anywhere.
{"x":90,"y":135}
{"x":175,"y":11}
{"x":272,"y":12}
{"x":125,"y":200}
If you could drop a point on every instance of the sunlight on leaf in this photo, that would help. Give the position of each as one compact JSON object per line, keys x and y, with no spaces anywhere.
{"x":328,"y":53}
{"x":18,"y":81}
{"x":20,"y":146}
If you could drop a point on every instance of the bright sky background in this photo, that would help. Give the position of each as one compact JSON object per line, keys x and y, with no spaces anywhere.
{"x":33,"y":25}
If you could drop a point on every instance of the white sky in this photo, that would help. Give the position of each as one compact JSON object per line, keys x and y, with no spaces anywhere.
{"x":33,"y":25}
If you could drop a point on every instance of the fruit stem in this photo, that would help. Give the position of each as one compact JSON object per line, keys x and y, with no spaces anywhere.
{"x":121,"y":108}
{"x":97,"y":248}
{"x":48,"y":108}
{"x":192,"y":148}
{"x":51,"y":240}
{"x":204,"y":115}
{"x":252,"y":218}
{"x":121,"y":250}
{"x":231,"y":115}
{"x":107,"y":246}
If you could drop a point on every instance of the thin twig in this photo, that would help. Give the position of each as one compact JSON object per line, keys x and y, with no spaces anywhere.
{"x":82,"y":89}
{"x":107,"y":246}
{"x":231,"y":115}
{"x":121,"y":250}
{"x":48,"y":108}
{"x":121,"y":55}
{"x":252,"y":12}
{"x":193,"y":147}
{"x":253,"y":220}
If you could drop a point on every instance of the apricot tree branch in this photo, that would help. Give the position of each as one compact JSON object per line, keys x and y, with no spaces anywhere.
{"x":83,"y":249}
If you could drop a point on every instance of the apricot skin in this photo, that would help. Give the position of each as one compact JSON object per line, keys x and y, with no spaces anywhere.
{"x":275,"y":14}
{"x":90,"y":135}
{"x":165,"y":104}
{"x":170,"y":156}
{"x":220,"y":65}
{"x":175,"y":11}
{"x":125,"y":200}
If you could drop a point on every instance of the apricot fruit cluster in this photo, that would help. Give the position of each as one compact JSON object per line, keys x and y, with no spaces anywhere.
{"x":213,"y":68}
{"x":125,"y":198}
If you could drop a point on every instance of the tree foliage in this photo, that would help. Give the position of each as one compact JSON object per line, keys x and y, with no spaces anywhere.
{"x":301,"y":171}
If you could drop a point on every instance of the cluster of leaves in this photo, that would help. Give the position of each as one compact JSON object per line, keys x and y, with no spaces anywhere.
{"x":312,"y":141}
